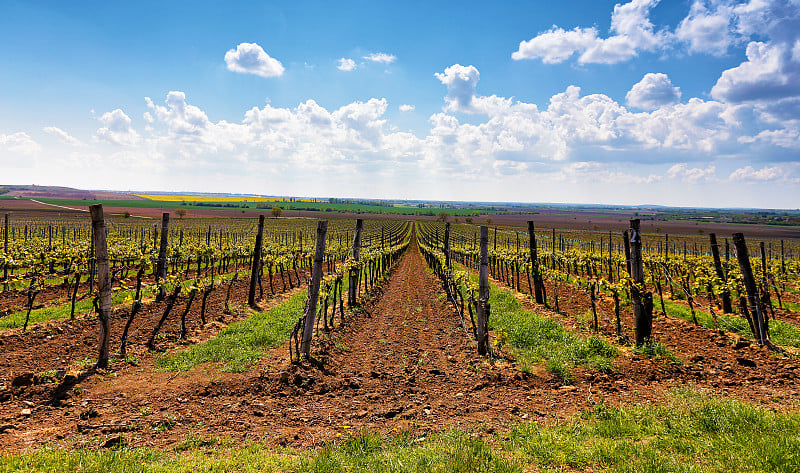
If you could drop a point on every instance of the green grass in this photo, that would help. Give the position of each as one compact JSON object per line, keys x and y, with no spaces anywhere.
{"x":791,"y":306}
{"x":240,"y":345}
{"x":536,"y":338}
{"x":84,"y":306}
{"x":690,"y":432}
{"x":781,"y":333}
{"x":17,"y":319}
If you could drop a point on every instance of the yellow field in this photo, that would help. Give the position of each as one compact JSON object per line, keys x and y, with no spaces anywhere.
{"x":199,"y":198}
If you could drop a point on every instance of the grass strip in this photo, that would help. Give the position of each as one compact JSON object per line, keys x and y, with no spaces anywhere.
{"x":84,"y":306}
{"x":240,"y":345}
{"x":691,"y":431}
{"x":781,"y":333}
{"x":536,"y":338}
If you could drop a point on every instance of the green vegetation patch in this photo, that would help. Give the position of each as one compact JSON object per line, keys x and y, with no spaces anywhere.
{"x":781,"y":333}
{"x":691,"y":432}
{"x":242,"y":343}
{"x":17,"y":319}
{"x":538,"y":338}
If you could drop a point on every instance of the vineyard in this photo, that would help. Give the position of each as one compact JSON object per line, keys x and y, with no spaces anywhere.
{"x":119,"y":332}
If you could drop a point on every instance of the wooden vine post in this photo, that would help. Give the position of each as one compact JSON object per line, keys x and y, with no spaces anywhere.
{"x":351,"y":290}
{"x":483,"y":295}
{"x":103,"y":282}
{"x":161,"y":265}
{"x":447,"y":245}
{"x":256,"y":266}
{"x":5,"y":253}
{"x":750,"y":285}
{"x":726,"y":295}
{"x":538,"y":282}
{"x":642,"y":299}
{"x":313,"y":291}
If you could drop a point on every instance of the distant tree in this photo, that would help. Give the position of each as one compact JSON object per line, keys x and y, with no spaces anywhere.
{"x":489,"y":220}
{"x":443,"y":216}
{"x":468,"y":219}
{"x":277,"y":212}
{"x":127,"y":214}
{"x":455,"y":219}
{"x":180,"y":213}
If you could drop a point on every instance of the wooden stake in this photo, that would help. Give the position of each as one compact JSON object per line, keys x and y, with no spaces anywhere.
{"x":726,"y":296}
{"x":161,"y":268}
{"x":538,"y":282}
{"x":103,"y":282}
{"x":483,"y":295}
{"x":256,"y":266}
{"x":750,"y":285}
{"x":313,"y":291}
{"x":641,"y":299}
{"x":351,"y":290}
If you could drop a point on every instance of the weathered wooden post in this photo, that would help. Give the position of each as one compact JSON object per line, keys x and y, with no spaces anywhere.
{"x":447,"y":245}
{"x":103,"y":282}
{"x":5,"y":253}
{"x":483,"y":294}
{"x":642,"y":299}
{"x":538,"y":282}
{"x":256,"y":266}
{"x":783,"y":261}
{"x":351,"y":290}
{"x":627,"y":241}
{"x":610,"y":256}
{"x":726,"y":295}
{"x":313,"y":291}
{"x":161,"y":265}
{"x":750,"y":285}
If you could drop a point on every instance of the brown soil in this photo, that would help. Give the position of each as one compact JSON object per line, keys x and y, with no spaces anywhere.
{"x":403,"y":362}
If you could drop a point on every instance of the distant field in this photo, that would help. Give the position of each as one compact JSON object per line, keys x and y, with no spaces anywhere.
{"x":207,"y":198}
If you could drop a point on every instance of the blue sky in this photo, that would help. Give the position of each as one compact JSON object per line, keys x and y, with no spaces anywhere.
{"x":691,"y":103}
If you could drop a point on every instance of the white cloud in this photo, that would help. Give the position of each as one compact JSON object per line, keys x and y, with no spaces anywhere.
{"x":653,"y":91}
{"x":117,"y":129}
{"x":250,"y":58}
{"x":382,"y":58}
{"x":19,"y":143}
{"x":461,"y":82}
{"x":769,"y":73}
{"x":708,"y":30}
{"x":556,"y":45}
{"x":747,"y":173}
{"x":62,"y":135}
{"x":692,"y":175}
{"x":406,"y":108}
{"x":631,"y":28}
{"x":346,"y":64}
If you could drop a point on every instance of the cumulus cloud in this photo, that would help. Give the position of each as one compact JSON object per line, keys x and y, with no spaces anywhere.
{"x":382,"y":58}
{"x":117,"y":129}
{"x":461,"y":82}
{"x":708,"y":28}
{"x":250,"y":58}
{"x":769,"y":73}
{"x":653,"y":91}
{"x":406,"y":108}
{"x":62,"y":135}
{"x":19,"y":143}
{"x":747,"y":173}
{"x":346,"y":64}
{"x":691,"y":175}
{"x":631,"y":28}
